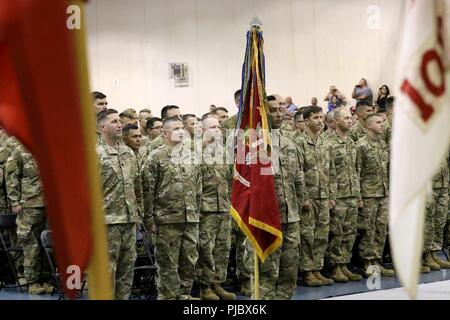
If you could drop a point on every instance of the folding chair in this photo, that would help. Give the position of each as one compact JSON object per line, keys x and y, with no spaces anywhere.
{"x":144,"y":236}
{"x":145,"y":268}
{"x":356,"y":261}
{"x":445,"y":246}
{"x":46,"y":243}
{"x":12,"y":253}
{"x":232,"y":279}
{"x":445,"y":253}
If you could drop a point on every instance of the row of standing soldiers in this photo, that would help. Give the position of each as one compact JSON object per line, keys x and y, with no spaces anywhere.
{"x":329,"y":185}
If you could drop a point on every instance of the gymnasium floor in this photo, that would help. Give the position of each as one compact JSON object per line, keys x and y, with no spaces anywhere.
{"x":427,"y":291}
{"x":434,"y":285}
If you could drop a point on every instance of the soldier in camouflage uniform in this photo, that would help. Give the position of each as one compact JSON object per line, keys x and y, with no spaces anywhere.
{"x":172,"y":201}
{"x":346,"y":193}
{"x":100,"y":103}
{"x":131,"y":111}
{"x":144,"y":116}
{"x":7,"y":145}
{"x":372,"y":166}
{"x":359,"y":129}
{"x":133,"y":139}
{"x":154,"y":128}
{"x":319,"y":174}
{"x":287,"y":128}
{"x":4,"y":208}
{"x":26,"y":197}
{"x":447,"y":226}
{"x":278,"y":273}
{"x":388,"y":123}
{"x":436,"y":218}
{"x":166,"y":112}
{"x":3,"y":199}
{"x":215,"y":220}
{"x":154,"y":144}
{"x":299,"y":124}
{"x":192,"y":142}
{"x":221,"y":113}
{"x":3,"y":136}
{"x":331,"y":126}
{"x":190,"y":122}
{"x":128,"y":119}
{"x":122,"y":201}
{"x":230,"y":123}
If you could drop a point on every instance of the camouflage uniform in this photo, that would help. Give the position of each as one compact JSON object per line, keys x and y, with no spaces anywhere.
{"x":287,"y":129}
{"x":122,"y":204}
{"x":4,"y":154}
{"x":192,"y":149}
{"x":314,"y":222}
{"x":297,"y":135}
{"x":98,"y":137}
{"x":144,"y":137}
{"x":3,"y":199}
{"x":229,"y":123}
{"x":437,"y":209}
{"x":215,"y":220}
{"x":155,"y":143}
{"x":150,"y":145}
{"x":447,"y":226}
{"x":141,"y":157}
{"x":327,"y":135}
{"x":7,"y":145}
{"x":278,"y":274}
{"x":357,"y":131}
{"x":372,"y":166}
{"x":387,"y":131}
{"x":24,"y":188}
{"x":346,"y":193}
{"x":3,"y":136}
{"x":172,"y":199}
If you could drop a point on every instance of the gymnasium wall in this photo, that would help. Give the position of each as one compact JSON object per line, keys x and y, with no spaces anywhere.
{"x":309,"y":45}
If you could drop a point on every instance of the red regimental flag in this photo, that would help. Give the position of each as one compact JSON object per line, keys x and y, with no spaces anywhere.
{"x":254,"y":202}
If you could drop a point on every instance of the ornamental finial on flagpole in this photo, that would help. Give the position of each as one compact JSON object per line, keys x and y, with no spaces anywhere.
{"x":255,"y":22}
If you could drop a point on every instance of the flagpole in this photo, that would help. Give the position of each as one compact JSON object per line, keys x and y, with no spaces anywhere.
{"x":256,"y":282}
